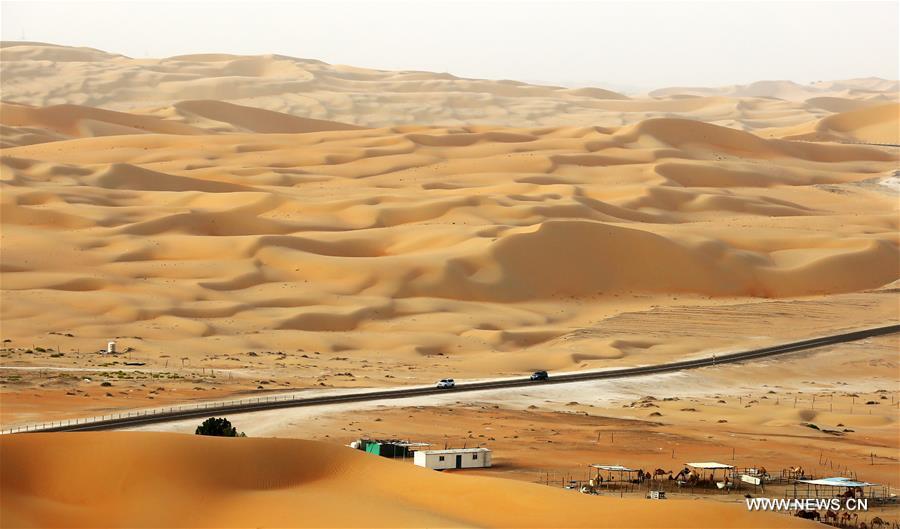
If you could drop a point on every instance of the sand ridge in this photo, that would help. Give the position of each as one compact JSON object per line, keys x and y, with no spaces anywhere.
{"x":376,"y":98}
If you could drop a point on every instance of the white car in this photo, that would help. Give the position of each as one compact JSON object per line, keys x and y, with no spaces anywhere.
{"x":446,"y":383}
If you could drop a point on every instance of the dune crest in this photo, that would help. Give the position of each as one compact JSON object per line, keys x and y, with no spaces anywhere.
{"x":872,"y":124}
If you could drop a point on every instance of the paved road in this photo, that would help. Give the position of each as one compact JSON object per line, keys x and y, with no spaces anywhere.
{"x":293,"y":400}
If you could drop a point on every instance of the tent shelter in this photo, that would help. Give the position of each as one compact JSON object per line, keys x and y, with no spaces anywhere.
{"x":610,"y":476}
{"x":707,"y":471}
{"x":834,"y":487}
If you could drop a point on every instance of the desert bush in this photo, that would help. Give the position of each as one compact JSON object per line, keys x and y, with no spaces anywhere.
{"x":218,"y":426}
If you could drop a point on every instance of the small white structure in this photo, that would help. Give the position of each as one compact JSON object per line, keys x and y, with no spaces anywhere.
{"x":110,"y":348}
{"x":453,"y":458}
{"x":709,"y":465}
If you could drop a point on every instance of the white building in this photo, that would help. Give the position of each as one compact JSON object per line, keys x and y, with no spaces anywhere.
{"x":453,"y":458}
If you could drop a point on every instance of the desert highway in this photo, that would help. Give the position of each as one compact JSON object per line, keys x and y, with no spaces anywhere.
{"x":143,"y":417}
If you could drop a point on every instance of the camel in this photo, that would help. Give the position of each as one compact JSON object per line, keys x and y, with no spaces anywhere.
{"x":846,"y":517}
{"x":877,"y":521}
{"x":831,"y":516}
{"x":809,"y":515}
{"x":797,"y":472}
{"x":762,"y":472}
{"x":685,"y":472}
{"x":658,"y":473}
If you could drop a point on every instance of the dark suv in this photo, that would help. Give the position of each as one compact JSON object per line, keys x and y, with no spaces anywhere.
{"x":540,"y":375}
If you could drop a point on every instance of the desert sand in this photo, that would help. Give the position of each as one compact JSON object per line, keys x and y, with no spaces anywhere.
{"x":377,"y":98}
{"x":213,"y":482}
{"x":254,"y":225}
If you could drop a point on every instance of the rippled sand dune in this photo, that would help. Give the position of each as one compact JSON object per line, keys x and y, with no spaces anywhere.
{"x":217,"y":204}
{"x":414,"y":240}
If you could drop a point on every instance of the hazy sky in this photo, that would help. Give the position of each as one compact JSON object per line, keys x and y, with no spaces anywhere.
{"x":638,"y":44}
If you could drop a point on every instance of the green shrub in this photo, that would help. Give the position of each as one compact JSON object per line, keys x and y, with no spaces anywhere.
{"x":220,"y":427}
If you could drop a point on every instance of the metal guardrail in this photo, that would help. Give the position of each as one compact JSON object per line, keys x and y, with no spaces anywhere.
{"x":205,"y":409}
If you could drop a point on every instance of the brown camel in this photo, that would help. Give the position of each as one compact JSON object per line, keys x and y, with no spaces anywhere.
{"x":658,"y":473}
{"x":831,"y":516}
{"x":877,"y":522}
{"x":846,"y":517}
{"x":797,"y":472}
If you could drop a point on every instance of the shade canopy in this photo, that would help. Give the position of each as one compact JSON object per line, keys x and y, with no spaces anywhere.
{"x":614,"y":468}
{"x":709,"y":465}
{"x":836,"y":482}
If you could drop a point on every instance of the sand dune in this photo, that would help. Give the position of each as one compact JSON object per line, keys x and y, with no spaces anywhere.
{"x":27,"y":125}
{"x":336,"y":239}
{"x":168,"y":480}
{"x":80,"y":121}
{"x":256,"y":120}
{"x":788,"y":90}
{"x":310,"y":89}
{"x":874,"y":124}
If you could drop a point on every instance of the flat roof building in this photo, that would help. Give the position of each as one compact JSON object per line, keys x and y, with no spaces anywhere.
{"x":453,"y":458}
